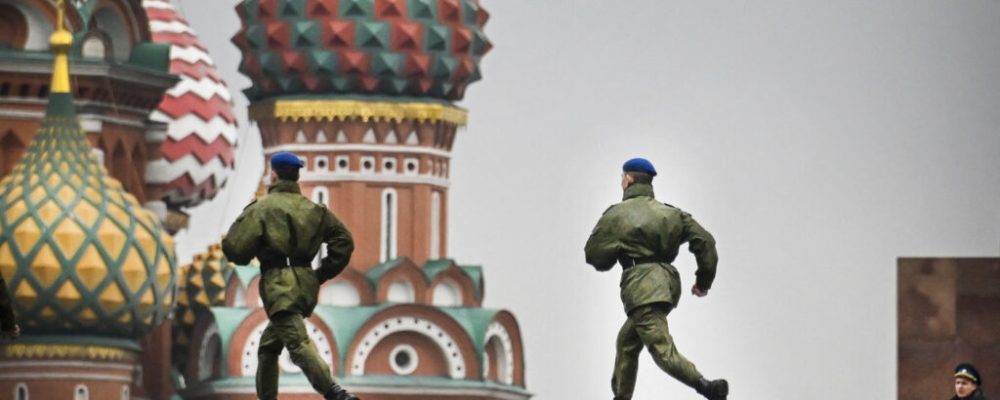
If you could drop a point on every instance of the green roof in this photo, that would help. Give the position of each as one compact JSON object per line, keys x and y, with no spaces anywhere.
{"x":344,"y":322}
{"x":377,"y":271}
{"x":475,"y":273}
{"x":475,"y":321}
{"x":246,"y":273}
{"x":434,"y":267}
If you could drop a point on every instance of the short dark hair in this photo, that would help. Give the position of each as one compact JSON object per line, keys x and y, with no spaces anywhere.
{"x":287,"y":174}
{"x":640,"y":177}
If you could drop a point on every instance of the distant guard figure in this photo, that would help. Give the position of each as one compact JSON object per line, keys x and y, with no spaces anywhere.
{"x":8,"y":322}
{"x":967,"y":383}
{"x":284,"y":231}
{"x":644,"y":236}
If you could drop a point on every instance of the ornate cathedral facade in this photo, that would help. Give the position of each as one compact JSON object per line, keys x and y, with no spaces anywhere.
{"x":114,"y":120}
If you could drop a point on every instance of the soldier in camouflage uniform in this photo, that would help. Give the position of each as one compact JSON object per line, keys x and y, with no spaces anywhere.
{"x":644,"y":236}
{"x":284,"y":231}
{"x":8,"y":323}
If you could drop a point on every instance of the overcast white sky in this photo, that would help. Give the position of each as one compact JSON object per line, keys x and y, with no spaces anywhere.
{"x":818,"y":141}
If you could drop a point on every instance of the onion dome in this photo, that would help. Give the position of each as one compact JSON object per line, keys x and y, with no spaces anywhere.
{"x":202,"y":285}
{"x":79,"y":253}
{"x":198,"y":152}
{"x":427,"y":48}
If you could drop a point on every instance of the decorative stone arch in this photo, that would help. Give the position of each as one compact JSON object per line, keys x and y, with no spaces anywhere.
{"x":437,"y":327}
{"x":134,"y":24}
{"x":253,"y":293}
{"x":245,"y":340}
{"x":236,"y":293}
{"x":455,"y":276}
{"x":203,"y":332}
{"x":16,"y":34}
{"x":503,"y":350}
{"x":407,"y":272}
{"x":366,"y":294}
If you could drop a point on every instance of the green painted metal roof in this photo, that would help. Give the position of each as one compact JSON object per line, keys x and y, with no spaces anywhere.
{"x":475,"y":273}
{"x":434,"y":267}
{"x":344,"y":322}
{"x":377,"y":271}
{"x":475,"y":321}
{"x":246,"y":273}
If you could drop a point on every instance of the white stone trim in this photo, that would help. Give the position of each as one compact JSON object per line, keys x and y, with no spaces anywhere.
{"x":248,"y":356}
{"x":431,"y":330}
{"x":435,"y":242}
{"x":18,"y":387}
{"x":205,"y":365}
{"x":410,"y":352}
{"x":506,"y":373}
{"x":64,"y":376}
{"x":357,"y":147}
{"x":389,"y":225}
{"x":370,"y":177}
{"x":68,"y":364}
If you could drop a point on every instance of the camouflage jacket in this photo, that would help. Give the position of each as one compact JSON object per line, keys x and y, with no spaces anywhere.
{"x":285,"y":225}
{"x":641,"y":227}
{"x":7,"y":319}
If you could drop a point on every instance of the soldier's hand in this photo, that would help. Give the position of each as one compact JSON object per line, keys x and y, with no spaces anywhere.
{"x":695,"y":290}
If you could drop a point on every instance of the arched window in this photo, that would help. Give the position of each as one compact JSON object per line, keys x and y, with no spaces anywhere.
{"x":447,"y":294}
{"x":15,"y":24}
{"x":389,"y":225}
{"x":21,"y":391}
{"x":435,"y":242}
{"x":320,"y":195}
{"x":110,"y":23}
{"x":339,"y":293}
{"x":401,"y":291}
{"x":81,"y":393}
{"x":126,"y":395}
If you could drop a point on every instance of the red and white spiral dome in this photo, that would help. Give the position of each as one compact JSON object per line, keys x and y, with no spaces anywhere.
{"x":198,"y":153}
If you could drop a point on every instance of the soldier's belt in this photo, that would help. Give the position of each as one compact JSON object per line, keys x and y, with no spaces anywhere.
{"x":278,"y":263}
{"x":629,"y":262}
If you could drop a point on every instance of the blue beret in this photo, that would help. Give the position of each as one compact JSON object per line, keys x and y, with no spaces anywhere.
{"x":286,"y":160}
{"x":967,"y":371}
{"x":639,"y":165}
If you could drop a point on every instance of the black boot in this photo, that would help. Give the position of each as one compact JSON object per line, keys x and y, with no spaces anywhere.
{"x":338,"y":393}
{"x":713,"y":390}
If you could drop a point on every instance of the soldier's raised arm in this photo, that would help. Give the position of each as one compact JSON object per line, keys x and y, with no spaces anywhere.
{"x":339,"y":247}
{"x":601,"y":248}
{"x":702,"y":245}
{"x":242,"y":241}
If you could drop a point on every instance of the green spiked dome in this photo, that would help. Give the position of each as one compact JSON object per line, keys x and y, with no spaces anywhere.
{"x":79,"y":253}
{"x":421,"y":48}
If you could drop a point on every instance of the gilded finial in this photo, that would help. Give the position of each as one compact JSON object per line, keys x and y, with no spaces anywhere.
{"x":60,"y":42}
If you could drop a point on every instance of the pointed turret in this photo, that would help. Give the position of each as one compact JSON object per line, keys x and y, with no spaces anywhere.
{"x":80,"y":254}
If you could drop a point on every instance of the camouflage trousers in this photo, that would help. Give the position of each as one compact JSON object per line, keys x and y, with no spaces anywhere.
{"x":288,"y":330}
{"x":647,"y":325}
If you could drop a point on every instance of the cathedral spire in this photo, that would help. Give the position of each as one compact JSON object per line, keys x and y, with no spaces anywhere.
{"x":60,"y":43}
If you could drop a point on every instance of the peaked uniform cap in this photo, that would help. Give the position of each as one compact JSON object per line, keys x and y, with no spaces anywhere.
{"x":967,"y":371}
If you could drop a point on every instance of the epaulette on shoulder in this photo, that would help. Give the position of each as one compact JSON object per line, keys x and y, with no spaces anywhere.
{"x":251,"y":203}
{"x":609,"y":209}
{"x":669,"y":205}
